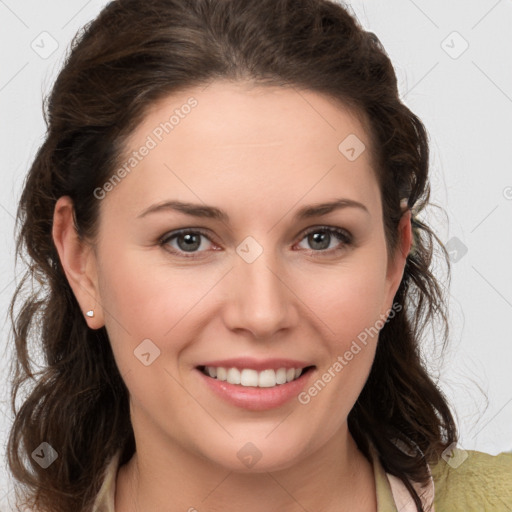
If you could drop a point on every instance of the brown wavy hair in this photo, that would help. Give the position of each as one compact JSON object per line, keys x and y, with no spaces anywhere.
{"x":139,"y":51}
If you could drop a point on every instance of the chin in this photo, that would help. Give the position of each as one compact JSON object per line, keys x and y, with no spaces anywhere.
{"x":258,"y":456}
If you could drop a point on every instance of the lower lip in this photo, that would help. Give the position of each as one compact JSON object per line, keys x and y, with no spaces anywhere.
{"x":255,"y":398}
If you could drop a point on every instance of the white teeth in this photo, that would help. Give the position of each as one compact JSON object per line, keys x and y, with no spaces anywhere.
{"x":267,"y":379}
{"x":221,"y":373}
{"x":249,"y":377}
{"x":281,"y":376}
{"x":233,"y":376}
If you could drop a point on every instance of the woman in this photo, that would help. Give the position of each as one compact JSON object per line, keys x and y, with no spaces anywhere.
{"x":225,"y":216}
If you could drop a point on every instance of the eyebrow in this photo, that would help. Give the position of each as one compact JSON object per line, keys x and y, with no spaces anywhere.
{"x":212,"y":212}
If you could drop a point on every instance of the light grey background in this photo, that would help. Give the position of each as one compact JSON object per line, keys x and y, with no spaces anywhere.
{"x":464,"y":97}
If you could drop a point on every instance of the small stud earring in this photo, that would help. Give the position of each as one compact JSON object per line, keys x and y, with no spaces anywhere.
{"x":90,"y":313}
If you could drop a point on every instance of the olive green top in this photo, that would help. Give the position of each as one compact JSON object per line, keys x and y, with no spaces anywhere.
{"x":468,"y":481}
{"x":481,"y":482}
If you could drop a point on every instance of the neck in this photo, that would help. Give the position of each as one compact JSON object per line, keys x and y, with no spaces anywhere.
{"x":333,"y":478}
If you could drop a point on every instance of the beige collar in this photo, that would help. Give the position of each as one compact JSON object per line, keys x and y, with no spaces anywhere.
{"x":391,"y":490}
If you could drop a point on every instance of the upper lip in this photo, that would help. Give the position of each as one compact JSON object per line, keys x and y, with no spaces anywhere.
{"x":257,"y":364}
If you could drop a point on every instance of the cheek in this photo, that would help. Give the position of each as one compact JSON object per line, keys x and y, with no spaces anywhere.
{"x":346,"y":298}
{"x":150,"y":301}
{"x":156,"y":303}
{"x":349,"y":305}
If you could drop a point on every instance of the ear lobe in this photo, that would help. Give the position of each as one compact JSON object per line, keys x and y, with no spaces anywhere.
{"x":77,"y":259}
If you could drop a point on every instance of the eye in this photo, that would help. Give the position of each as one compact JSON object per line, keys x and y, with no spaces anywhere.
{"x":188,"y":241}
{"x":320,"y":239}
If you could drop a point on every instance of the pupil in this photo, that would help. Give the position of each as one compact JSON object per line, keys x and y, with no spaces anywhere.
{"x":191,"y":242}
{"x":318,"y":238}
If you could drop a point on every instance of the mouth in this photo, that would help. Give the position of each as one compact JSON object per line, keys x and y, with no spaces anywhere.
{"x":248,"y":377}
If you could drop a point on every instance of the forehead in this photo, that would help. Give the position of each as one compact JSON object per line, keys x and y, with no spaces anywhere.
{"x":243,"y":140}
{"x":238,"y":113}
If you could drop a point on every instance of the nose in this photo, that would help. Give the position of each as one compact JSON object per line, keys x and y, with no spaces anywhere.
{"x":261,"y":299}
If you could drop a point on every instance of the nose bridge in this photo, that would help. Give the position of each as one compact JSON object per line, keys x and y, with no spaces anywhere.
{"x":261,"y":301}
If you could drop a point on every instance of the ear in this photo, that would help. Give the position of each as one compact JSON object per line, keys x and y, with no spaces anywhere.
{"x":78,"y":261}
{"x":397,"y":261}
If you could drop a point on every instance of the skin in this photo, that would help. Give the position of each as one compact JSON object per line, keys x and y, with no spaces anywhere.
{"x":259,"y":153}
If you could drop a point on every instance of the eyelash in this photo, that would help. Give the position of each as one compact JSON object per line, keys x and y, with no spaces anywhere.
{"x":344,"y":236}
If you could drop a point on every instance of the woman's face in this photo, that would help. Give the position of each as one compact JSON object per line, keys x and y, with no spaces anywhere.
{"x":252,"y":277}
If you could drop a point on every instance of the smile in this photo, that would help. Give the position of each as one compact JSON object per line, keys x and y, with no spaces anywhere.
{"x":251,"y":378}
